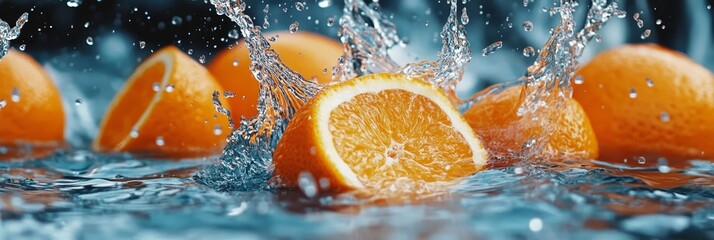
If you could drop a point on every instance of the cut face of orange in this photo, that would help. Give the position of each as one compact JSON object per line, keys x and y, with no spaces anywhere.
{"x":165,"y":109}
{"x":30,"y":109}
{"x":378,"y":131}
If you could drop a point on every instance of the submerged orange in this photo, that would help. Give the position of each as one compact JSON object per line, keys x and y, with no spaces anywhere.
{"x":165,"y":109}
{"x":30,"y":108}
{"x":378,"y":132}
{"x":309,"y":54}
{"x":647,"y":102}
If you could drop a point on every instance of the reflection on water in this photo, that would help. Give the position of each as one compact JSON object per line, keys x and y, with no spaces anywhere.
{"x":79,"y":194}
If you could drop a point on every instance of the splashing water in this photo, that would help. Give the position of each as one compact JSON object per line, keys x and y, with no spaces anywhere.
{"x":246,"y":163}
{"x":546,"y":84}
{"x":7,"y":33}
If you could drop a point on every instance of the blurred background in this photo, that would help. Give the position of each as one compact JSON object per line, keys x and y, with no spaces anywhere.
{"x":91,"y":46}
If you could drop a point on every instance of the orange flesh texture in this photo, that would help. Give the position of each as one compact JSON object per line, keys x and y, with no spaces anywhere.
{"x":495,"y":121}
{"x":184,"y":118}
{"x":303,"y":52}
{"x":38,"y":116}
{"x":627,"y":127}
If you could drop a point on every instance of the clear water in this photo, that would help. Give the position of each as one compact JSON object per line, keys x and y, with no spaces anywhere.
{"x":82,"y":195}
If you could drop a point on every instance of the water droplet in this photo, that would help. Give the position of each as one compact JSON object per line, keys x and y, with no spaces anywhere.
{"x":202,"y":59}
{"x":525,"y":3}
{"x":3,"y":103}
{"x":299,"y":6}
{"x":649,"y":82}
{"x":528,"y":51}
{"x":640,"y":23}
{"x":134,"y":133}
{"x":233,"y":33}
{"x":235,"y":63}
{"x":324,"y":183}
{"x":709,"y":7}
{"x":492,"y":48}
{"x":579,"y":79}
{"x":307,"y":184}
{"x":90,"y":41}
{"x":15,"y":95}
{"x":633,"y":93}
{"x":663,"y":166}
{"x":190,"y":51}
{"x":217,"y":130}
{"x":324,"y":3}
{"x":170,"y":88}
{"x":527,"y":26}
{"x":176,"y":20}
{"x":160,"y":141}
{"x":664,"y":117}
{"x":78,"y":102}
{"x":142,"y":44}
{"x":294,"y":27}
{"x":641,"y":160}
{"x":330,"y":21}
{"x":645,"y":34}
{"x":464,"y":17}
{"x":86,"y":24}
{"x":228,"y":94}
{"x":22,"y":47}
{"x":73,"y":3}
{"x":636,"y":16}
{"x":426,"y":23}
{"x":535,"y":224}
{"x":658,"y":21}
{"x":156,"y":87}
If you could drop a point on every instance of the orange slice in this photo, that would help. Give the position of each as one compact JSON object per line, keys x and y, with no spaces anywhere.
{"x":165,"y":109}
{"x":309,"y":54}
{"x":30,"y":108}
{"x":376,"y":132}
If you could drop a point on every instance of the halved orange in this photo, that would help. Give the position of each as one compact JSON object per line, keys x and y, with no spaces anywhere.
{"x":165,"y":109}
{"x":375,"y":132}
{"x":31,"y":113}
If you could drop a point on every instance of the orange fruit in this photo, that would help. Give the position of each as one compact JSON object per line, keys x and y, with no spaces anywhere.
{"x":165,"y":109}
{"x":647,"y":102}
{"x":378,"y":132}
{"x":495,"y":120}
{"x":30,"y":108}
{"x":306,"y":53}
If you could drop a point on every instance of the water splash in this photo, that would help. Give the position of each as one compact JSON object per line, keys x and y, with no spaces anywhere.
{"x":7,"y":33}
{"x":455,"y":54}
{"x":367,"y":36}
{"x":246,"y":163}
{"x":546,"y":84}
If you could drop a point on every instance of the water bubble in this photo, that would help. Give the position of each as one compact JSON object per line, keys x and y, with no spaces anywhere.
{"x":645,"y":34}
{"x":633,"y":93}
{"x":217,"y":130}
{"x":22,"y":47}
{"x":492,"y":48}
{"x":664,"y":117}
{"x":176,"y":20}
{"x":90,"y":41}
{"x":527,"y":26}
{"x":464,"y":17}
{"x":324,"y":3}
{"x":535,"y":224}
{"x":78,"y":102}
{"x":579,"y":79}
{"x":307,"y":184}
{"x":134,"y":133}
{"x":330,"y":21}
{"x":3,"y":103}
{"x":170,"y":88}
{"x":15,"y":97}
{"x":73,"y":3}
{"x":649,"y":82}
{"x":233,"y":33}
{"x":641,"y":160}
{"x":202,"y":59}
{"x":142,"y":44}
{"x":299,"y":6}
{"x":160,"y":141}
{"x":528,"y":51}
{"x":294,"y":27}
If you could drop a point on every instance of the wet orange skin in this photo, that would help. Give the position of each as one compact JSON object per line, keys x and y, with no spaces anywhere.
{"x":306,"y":53}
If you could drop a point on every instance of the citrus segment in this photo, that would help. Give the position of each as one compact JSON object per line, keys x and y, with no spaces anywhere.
{"x":165,"y":109}
{"x":377,"y":131}
{"x":309,"y":54}
{"x":647,"y":102}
